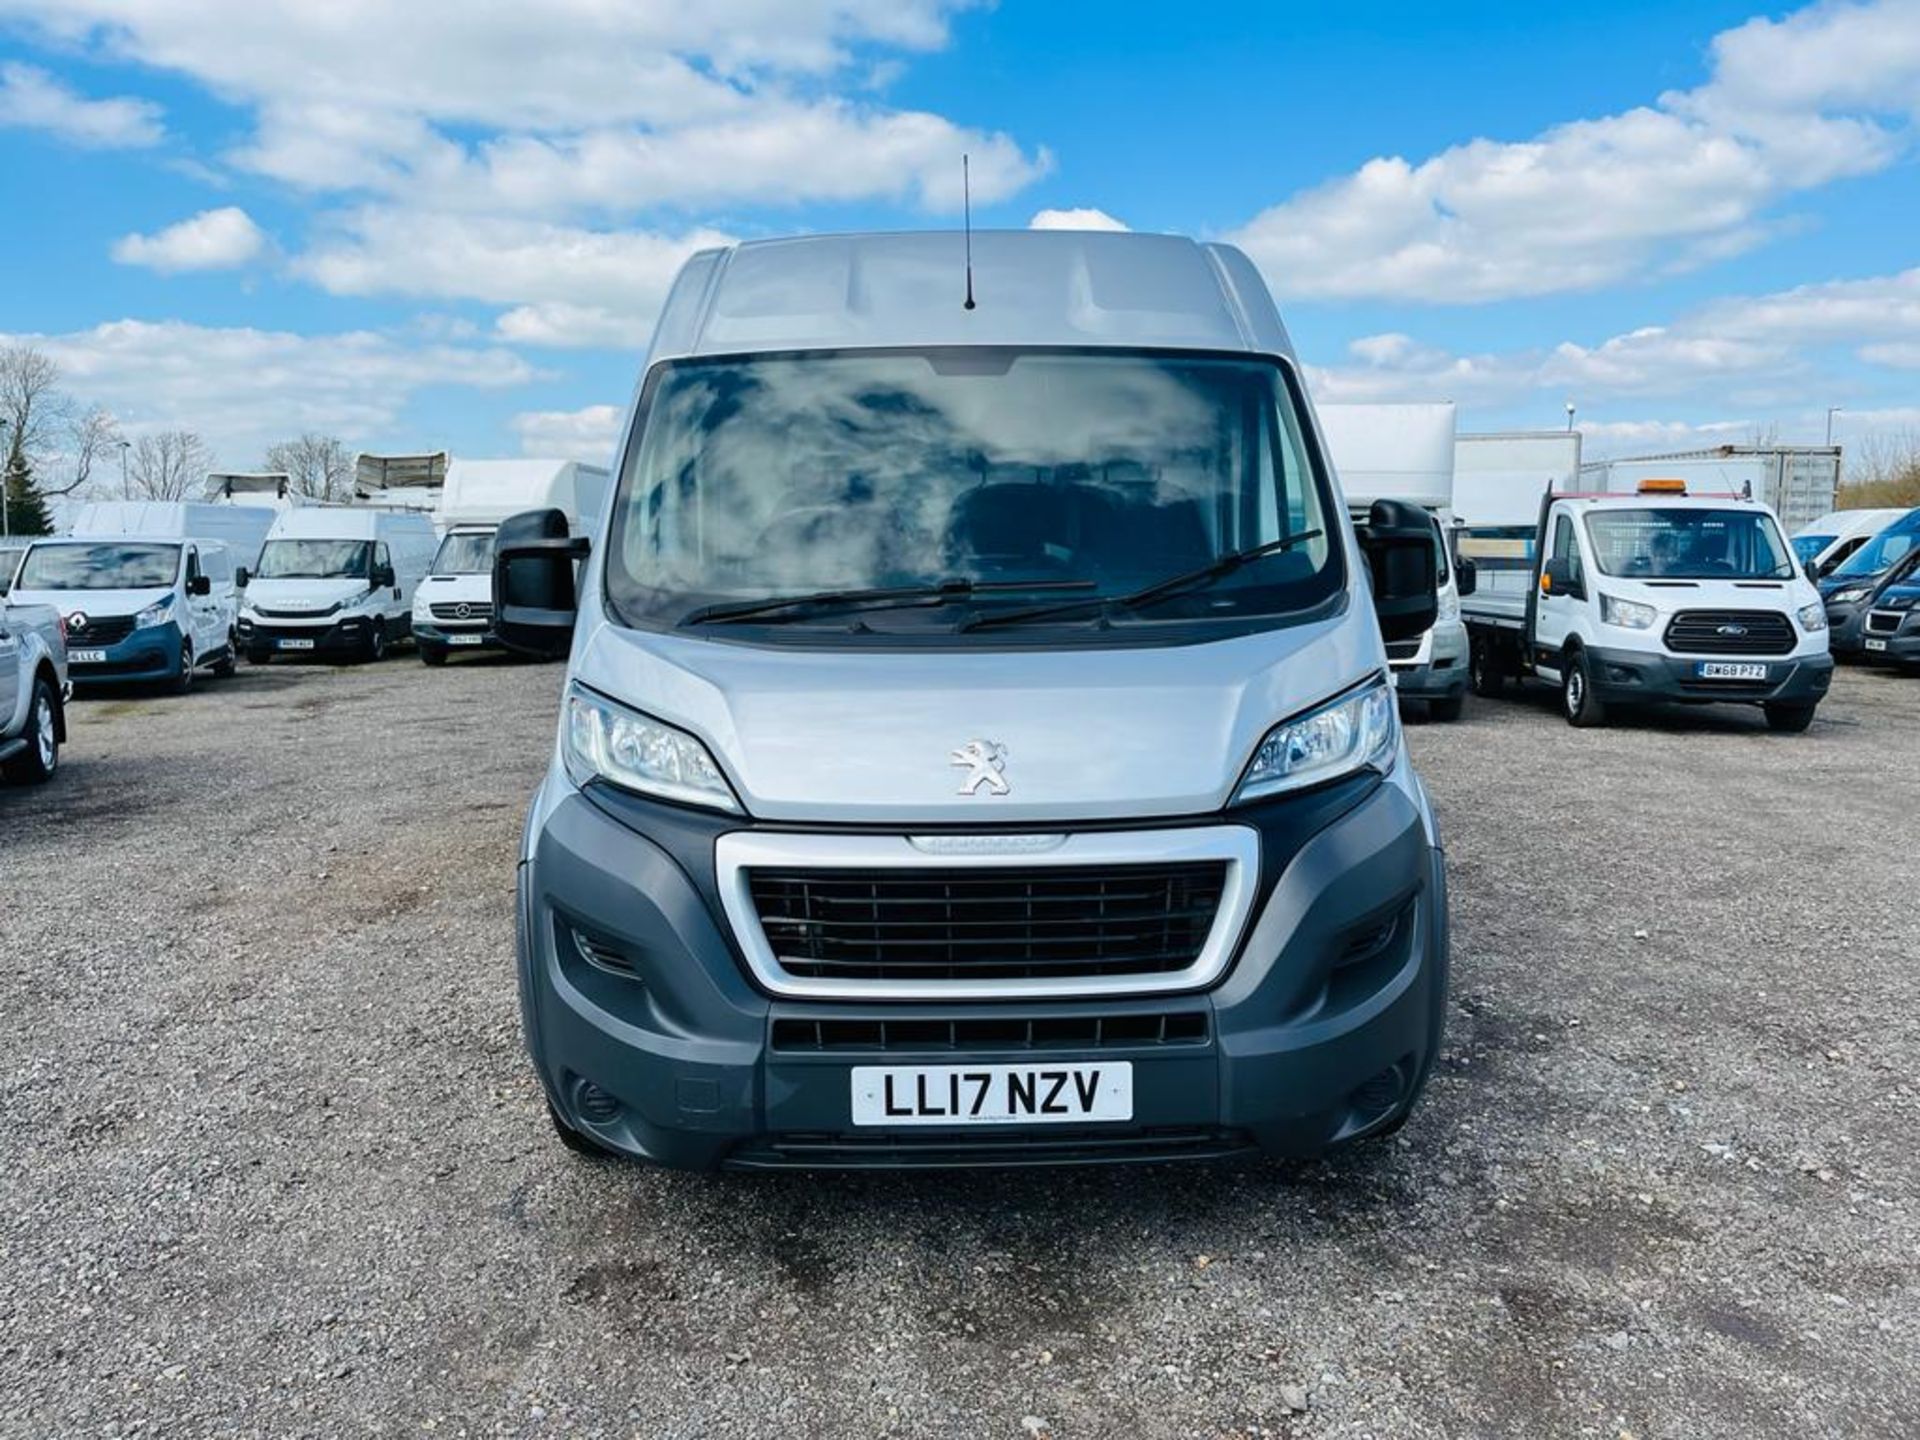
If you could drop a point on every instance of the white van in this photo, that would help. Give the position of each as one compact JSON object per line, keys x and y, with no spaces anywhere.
{"x":1828,"y":542}
{"x":335,"y":580}
{"x":978,"y":746}
{"x":136,"y":608}
{"x":454,"y":607}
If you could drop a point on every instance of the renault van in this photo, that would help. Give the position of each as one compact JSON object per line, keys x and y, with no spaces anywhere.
{"x":335,"y":580}
{"x":137,"y":608}
{"x":977,"y":746}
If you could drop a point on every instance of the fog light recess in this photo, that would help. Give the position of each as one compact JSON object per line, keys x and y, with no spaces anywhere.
{"x":595,"y":1104}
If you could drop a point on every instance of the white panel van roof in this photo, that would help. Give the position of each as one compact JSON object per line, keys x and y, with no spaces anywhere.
{"x":1031,"y":287}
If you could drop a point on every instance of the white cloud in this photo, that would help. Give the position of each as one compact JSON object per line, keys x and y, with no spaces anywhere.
{"x":1083,"y":218}
{"x":32,"y":99}
{"x":243,"y":388}
{"x":586,"y":434}
{"x":1830,"y":92}
{"x":212,"y":240}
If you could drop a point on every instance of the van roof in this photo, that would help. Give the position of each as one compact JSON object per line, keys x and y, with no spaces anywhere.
{"x":1032,"y":287}
{"x":344,"y":522}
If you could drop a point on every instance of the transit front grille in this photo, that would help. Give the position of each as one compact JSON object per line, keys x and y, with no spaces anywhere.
{"x":98,"y":631}
{"x":462,"y":610}
{"x":974,"y":1034}
{"x":1730,"y":632}
{"x":988,"y":922}
{"x":1883,"y":622}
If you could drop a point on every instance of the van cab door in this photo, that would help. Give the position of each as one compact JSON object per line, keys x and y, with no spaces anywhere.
{"x":204,"y":627}
{"x":391,"y":602}
{"x":1559,"y":604}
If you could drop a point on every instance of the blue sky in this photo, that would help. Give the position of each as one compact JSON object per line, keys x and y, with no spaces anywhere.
{"x":440,"y":224}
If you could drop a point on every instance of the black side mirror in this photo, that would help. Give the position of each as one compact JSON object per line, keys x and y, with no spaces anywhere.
{"x":1466,"y":576}
{"x":382,"y":576}
{"x":199,"y":585}
{"x":240,"y":577}
{"x":1402,"y":557}
{"x":1817,"y":573}
{"x":534,"y":602}
{"x":1559,"y":581}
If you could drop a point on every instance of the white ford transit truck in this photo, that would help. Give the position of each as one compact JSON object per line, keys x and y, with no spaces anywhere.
{"x":977,"y":745}
{"x":1658,"y":596}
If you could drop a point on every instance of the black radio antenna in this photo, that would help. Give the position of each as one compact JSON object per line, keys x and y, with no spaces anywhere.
{"x":966,"y":202}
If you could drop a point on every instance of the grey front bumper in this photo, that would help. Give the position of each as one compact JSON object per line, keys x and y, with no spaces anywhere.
{"x":1305,"y":1043}
{"x":1626,"y":676}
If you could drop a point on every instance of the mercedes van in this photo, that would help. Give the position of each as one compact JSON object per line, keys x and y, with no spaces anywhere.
{"x":335,"y":580}
{"x":977,"y":746}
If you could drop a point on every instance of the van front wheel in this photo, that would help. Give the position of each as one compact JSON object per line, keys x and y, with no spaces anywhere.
{"x":1583,"y":708}
{"x":1789,"y":719}
{"x":1484,"y":671}
{"x":183,"y":682}
{"x":377,"y":641}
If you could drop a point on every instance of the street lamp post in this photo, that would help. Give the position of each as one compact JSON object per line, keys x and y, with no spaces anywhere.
{"x":1569,"y":417}
{"x":1832,"y":410}
{"x":6,"y":472}
{"x":123,"y":466}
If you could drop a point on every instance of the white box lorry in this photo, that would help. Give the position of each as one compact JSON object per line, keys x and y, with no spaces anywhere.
{"x":453,"y":608}
{"x":1406,"y":453}
{"x":1655,"y":596}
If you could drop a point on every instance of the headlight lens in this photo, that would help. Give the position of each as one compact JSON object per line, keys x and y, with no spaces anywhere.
{"x":1813,"y":618}
{"x":1852,"y":595}
{"x":1627,"y":614}
{"x":157,"y":613}
{"x":1358,"y":730}
{"x":626,"y":748}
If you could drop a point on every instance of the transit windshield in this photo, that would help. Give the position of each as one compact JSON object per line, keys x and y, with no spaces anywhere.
{"x":111,"y":565}
{"x":315,"y":560}
{"x":1689,"y":543}
{"x":919,"y":490}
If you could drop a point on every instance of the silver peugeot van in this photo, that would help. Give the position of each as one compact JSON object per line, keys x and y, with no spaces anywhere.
{"x":977,"y":745}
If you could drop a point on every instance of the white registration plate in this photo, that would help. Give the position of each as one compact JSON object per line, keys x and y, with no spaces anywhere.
{"x":294,"y":644}
{"x":463,"y":639}
{"x":1871,"y":645}
{"x":991,"y":1094}
{"x":86,"y":657}
{"x":1729,"y":670}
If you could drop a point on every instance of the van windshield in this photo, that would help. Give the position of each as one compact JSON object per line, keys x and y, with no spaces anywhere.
{"x":1805,"y":547}
{"x":1689,"y":544}
{"x":468,"y":554}
{"x":110,"y":565}
{"x":315,"y":560}
{"x":998,"y":474}
{"x":1886,"y":549}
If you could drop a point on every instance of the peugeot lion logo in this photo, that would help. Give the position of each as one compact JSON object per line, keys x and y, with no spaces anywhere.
{"x":985,"y":763}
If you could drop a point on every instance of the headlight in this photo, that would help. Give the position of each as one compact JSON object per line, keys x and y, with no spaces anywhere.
{"x":157,"y":613}
{"x":1627,"y":614}
{"x":1813,"y":618}
{"x":630,"y":750}
{"x":1449,"y":608}
{"x":1360,"y":729}
{"x":1852,"y":595}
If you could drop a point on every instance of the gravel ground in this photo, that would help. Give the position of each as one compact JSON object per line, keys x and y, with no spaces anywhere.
{"x":271,"y":1161}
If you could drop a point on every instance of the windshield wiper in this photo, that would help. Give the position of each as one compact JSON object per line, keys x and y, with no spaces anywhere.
{"x":795,"y":606}
{"x":1187,"y":580}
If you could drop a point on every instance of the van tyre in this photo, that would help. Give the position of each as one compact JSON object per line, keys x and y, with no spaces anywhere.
{"x":1485,"y":670}
{"x":1446,"y":709}
{"x":431,"y":654}
{"x":1583,"y":709}
{"x":1789,"y":719}
{"x":576,"y":1142}
{"x":228,"y":661}
{"x":377,"y":640}
{"x":258,"y":655}
{"x":183,"y":682}
{"x":41,"y":758}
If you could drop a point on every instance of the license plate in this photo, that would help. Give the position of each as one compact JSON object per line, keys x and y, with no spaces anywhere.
{"x":294,"y":644}
{"x":90,"y":657}
{"x":1728,"y":670}
{"x":991,"y":1094}
{"x":1871,"y":645}
{"x":463,"y":639}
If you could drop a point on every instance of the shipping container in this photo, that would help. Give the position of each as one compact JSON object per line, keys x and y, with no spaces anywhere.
{"x":1797,"y":481}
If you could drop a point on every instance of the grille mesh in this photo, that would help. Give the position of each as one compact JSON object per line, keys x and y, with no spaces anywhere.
{"x":100,"y":630}
{"x":990,"y":922}
{"x":1730,"y":632}
{"x":452,"y":610}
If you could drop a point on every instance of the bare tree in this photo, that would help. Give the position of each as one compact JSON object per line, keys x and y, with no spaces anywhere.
{"x":167,"y":465}
{"x":30,"y":403}
{"x":1883,"y":469}
{"x":319,"y":466}
{"x":90,"y":437}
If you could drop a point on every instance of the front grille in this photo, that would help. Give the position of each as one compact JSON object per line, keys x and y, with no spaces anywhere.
{"x":975,"y":1034}
{"x":1730,"y":632}
{"x":100,"y":630}
{"x":1402,"y":649}
{"x":1000,"y":1149}
{"x":1881,"y":622}
{"x":295,"y":614}
{"x":990,"y":922}
{"x":462,"y":610}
